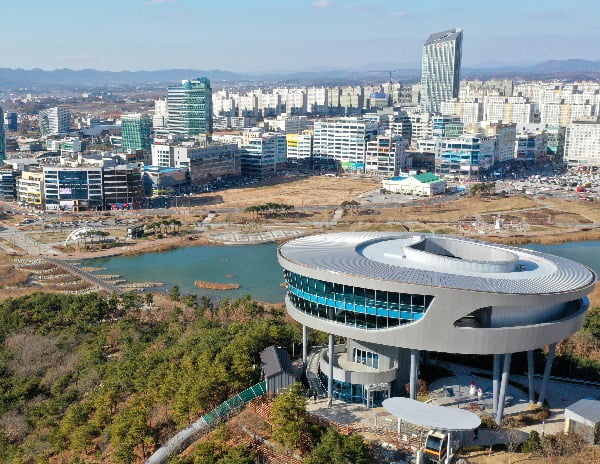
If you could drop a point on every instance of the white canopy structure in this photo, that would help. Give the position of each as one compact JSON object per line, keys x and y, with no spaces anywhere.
{"x":81,"y":233}
{"x":432,"y":416}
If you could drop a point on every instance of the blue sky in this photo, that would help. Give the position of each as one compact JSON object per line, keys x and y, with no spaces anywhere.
{"x":277,"y":35}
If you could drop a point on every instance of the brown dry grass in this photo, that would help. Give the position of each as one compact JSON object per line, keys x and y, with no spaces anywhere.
{"x":588,"y":209}
{"x":215,"y":285}
{"x":461,"y":209}
{"x":595,"y":296}
{"x":554,"y":236}
{"x":10,"y":276}
{"x":316,"y":190}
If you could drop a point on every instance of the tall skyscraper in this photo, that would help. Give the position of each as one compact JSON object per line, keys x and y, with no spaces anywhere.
{"x":2,"y":138}
{"x":440,"y":69}
{"x":190,"y":107}
{"x":137,"y":132}
{"x":54,"y":121}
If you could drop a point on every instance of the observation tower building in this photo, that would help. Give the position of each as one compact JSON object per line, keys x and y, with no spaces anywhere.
{"x":395,"y":296}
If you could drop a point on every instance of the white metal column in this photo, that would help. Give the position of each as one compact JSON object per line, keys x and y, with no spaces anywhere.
{"x":414,"y":366}
{"x":503,"y":383}
{"x":547,"y":369}
{"x":304,"y":345}
{"x":330,"y":373}
{"x":530,"y":373}
{"x":495,"y":377}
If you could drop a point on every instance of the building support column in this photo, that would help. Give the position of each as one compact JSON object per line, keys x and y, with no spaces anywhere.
{"x":502,"y":393}
{"x":304,"y":345}
{"x":547,"y":369}
{"x":330,"y":373}
{"x":448,"y":447}
{"x":530,"y":374}
{"x":495,"y":382}
{"x":414,"y":373}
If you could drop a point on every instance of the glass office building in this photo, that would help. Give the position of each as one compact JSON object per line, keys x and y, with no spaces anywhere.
{"x":440,"y":69}
{"x":73,"y":189}
{"x":190,"y":108}
{"x":137,"y":132}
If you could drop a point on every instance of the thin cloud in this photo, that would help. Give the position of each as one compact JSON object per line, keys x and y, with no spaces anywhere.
{"x":158,"y":2}
{"x":359,"y":7}
{"x":398,"y":14}
{"x":322,"y":4}
{"x":545,"y":14}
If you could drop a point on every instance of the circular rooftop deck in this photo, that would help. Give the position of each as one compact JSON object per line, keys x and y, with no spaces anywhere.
{"x":441,"y":261}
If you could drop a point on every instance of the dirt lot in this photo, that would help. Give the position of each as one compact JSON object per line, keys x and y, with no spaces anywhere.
{"x":308,"y":191}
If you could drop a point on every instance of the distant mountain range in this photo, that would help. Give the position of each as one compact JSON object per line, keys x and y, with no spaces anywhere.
{"x":561,"y":66}
{"x":86,"y":78}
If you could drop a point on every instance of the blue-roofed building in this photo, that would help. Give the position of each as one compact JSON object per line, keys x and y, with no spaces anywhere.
{"x":160,"y":180}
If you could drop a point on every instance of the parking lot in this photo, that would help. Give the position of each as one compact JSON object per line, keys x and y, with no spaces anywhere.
{"x":571,"y":184}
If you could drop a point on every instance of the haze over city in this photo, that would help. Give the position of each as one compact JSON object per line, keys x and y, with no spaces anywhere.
{"x":299,"y":232}
{"x":268,"y":35}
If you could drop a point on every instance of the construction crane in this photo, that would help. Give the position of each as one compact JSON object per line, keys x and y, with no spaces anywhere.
{"x":389,"y":71}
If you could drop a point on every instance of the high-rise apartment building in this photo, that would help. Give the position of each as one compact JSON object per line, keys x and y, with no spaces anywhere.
{"x":137,"y":132}
{"x":190,"y":107}
{"x":440,"y":69}
{"x":54,"y":121}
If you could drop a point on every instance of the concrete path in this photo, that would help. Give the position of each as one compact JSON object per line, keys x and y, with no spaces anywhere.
{"x":24,"y":241}
{"x":85,"y":275}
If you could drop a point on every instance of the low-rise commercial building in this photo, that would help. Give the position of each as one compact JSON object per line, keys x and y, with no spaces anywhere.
{"x":8,"y":190}
{"x":159,"y":180}
{"x":385,"y":156}
{"x":30,"y":189}
{"x":73,"y":189}
{"x":300,"y":146}
{"x":426,"y":184}
{"x":122,"y":186}
{"x":531,"y":148}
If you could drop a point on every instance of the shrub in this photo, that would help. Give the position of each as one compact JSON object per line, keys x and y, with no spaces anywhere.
{"x":533,"y":444}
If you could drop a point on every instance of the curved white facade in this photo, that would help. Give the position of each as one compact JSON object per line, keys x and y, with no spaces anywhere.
{"x":480,"y":298}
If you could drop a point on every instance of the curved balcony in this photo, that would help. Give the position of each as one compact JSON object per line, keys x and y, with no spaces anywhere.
{"x":353,"y":373}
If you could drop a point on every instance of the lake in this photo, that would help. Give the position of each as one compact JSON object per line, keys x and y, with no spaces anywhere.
{"x":254,"y":267}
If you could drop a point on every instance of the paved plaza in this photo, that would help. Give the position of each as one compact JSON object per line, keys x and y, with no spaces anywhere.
{"x":377,"y":423}
{"x":255,"y":237}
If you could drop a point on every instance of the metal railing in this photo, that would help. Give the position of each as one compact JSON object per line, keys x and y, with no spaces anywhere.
{"x":192,"y":432}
